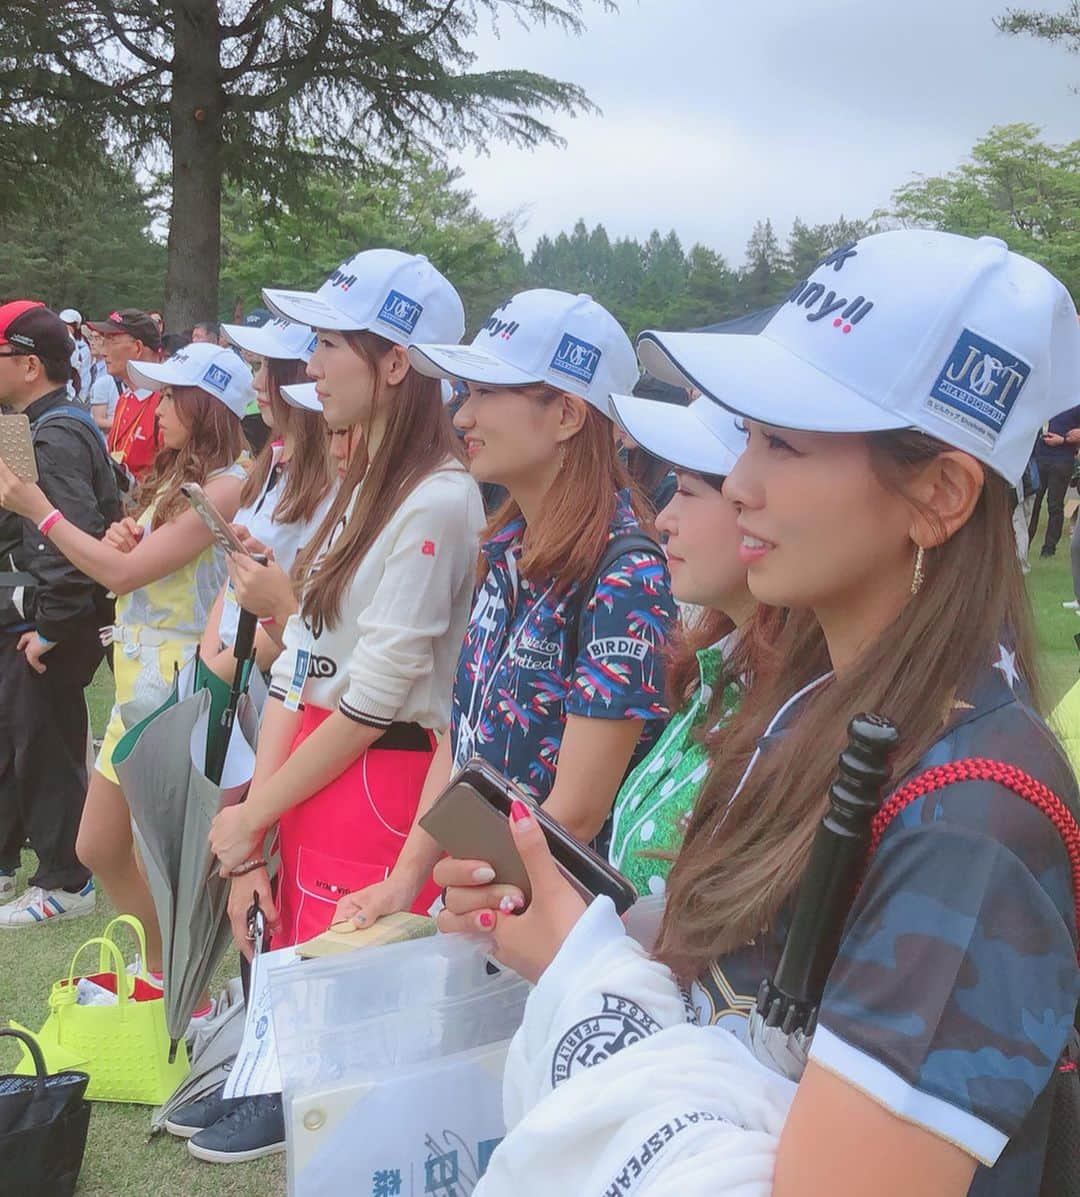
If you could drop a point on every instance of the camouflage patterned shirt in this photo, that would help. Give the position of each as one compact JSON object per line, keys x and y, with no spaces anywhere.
{"x":956,"y":980}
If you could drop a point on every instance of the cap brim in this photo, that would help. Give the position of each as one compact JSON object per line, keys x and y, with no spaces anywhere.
{"x":305,"y":307}
{"x":702,"y":438}
{"x":161,"y":374}
{"x":302,"y":395}
{"x":263,"y":341}
{"x":755,"y":377}
{"x":105,"y":327}
{"x":469,"y":364}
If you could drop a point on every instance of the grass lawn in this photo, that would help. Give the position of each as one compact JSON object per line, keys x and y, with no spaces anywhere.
{"x":119,"y":1160}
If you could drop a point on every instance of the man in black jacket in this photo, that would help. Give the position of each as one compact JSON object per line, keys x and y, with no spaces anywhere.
{"x":50,"y":614}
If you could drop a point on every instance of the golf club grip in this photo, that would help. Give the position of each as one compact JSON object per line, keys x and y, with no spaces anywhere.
{"x":837,"y":855}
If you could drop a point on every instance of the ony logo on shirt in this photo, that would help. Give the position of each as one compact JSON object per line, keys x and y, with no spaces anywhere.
{"x":978,"y":386}
{"x":218,"y":378}
{"x":400,"y":312}
{"x":576,"y":358}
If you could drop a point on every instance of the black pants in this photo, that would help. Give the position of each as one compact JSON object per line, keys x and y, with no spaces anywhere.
{"x":43,"y":756}
{"x":1054,"y":479}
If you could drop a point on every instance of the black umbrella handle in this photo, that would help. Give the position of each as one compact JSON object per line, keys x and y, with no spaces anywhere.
{"x":831,"y":879}
{"x":244,"y":647}
{"x":31,"y":1045}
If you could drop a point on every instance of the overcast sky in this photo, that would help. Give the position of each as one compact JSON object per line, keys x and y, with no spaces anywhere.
{"x":717,"y":112}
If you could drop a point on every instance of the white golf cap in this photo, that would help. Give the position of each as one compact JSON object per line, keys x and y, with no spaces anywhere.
{"x":302,"y":395}
{"x":568,"y":341}
{"x":278,"y":338}
{"x":914,"y":328}
{"x":402,"y":297}
{"x":71,"y":316}
{"x":220,"y":372}
{"x":703,"y":438}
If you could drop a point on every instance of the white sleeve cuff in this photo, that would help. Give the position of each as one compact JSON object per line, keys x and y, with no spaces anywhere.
{"x":940,"y":1118}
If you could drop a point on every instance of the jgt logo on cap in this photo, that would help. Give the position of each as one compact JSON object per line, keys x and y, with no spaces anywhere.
{"x":217,"y":378}
{"x":576,"y":358}
{"x":400,"y":312}
{"x":978,"y":386}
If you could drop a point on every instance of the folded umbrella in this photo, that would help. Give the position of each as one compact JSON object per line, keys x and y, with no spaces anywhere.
{"x":173,"y":794}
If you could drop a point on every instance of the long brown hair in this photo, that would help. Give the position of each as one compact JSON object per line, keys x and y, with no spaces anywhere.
{"x":309,"y":475}
{"x":741,"y":860}
{"x":567,"y":539}
{"x":418,"y":441}
{"x":215,"y":443}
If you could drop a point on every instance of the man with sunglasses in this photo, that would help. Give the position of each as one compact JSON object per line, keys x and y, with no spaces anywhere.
{"x":130,"y":335}
{"x":50,"y":613}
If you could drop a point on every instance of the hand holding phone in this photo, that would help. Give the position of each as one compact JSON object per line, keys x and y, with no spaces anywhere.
{"x":469,"y":820}
{"x":225,"y":537}
{"x":528,"y":938}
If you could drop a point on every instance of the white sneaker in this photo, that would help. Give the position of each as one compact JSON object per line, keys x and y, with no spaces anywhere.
{"x":39,"y":905}
{"x":1071,"y":605}
{"x":7,"y":887}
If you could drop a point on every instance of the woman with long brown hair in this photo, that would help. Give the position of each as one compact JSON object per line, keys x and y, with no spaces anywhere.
{"x":166,"y":572}
{"x":890,"y":403}
{"x":385,"y":585}
{"x":559,"y":685}
{"x":287,"y":493}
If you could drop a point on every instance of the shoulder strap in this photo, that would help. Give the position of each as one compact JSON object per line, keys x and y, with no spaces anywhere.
{"x":80,"y":415}
{"x":980,"y":769}
{"x":620,"y":544}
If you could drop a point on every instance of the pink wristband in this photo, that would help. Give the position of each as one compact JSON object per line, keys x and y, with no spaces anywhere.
{"x":50,"y":521}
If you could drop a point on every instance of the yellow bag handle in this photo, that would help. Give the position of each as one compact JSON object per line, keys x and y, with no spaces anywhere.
{"x":107,"y":946}
{"x":130,"y":921}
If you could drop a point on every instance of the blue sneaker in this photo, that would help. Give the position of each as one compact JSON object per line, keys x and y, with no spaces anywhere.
{"x":253,"y":1128}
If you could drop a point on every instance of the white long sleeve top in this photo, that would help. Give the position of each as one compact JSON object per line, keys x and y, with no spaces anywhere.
{"x":392,"y":653}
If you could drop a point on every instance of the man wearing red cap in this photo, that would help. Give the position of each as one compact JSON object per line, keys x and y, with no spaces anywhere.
{"x":50,"y":613}
{"x":131,"y":335}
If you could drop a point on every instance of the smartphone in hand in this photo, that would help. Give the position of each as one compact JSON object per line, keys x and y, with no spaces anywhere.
{"x":471,"y":820}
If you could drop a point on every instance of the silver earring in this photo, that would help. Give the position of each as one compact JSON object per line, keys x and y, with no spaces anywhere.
{"x":918,"y":577}
{"x":562,"y":456}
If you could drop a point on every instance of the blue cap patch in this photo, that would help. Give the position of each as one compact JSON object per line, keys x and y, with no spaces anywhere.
{"x":400,"y":312}
{"x":978,"y":386}
{"x":218,"y":378}
{"x":576,"y":358}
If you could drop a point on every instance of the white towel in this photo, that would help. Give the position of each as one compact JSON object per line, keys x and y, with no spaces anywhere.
{"x":608,"y":1091}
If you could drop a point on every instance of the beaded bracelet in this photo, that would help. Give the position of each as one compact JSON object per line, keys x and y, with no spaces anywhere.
{"x":249,"y":866}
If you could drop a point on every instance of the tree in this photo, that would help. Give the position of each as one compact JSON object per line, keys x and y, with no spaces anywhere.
{"x":267,"y":93}
{"x":764,"y":278}
{"x":1053,"y":27}
{"x":1015,"y":187}
{"x":417,"y":207}
{"x":77,"y":234}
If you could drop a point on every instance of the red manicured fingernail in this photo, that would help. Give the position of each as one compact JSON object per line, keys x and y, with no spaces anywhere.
{"x":487,"y":920}
{"x":518,"y":810}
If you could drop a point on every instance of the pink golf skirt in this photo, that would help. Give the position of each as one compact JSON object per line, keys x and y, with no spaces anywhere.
{"x":348,"y":835}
